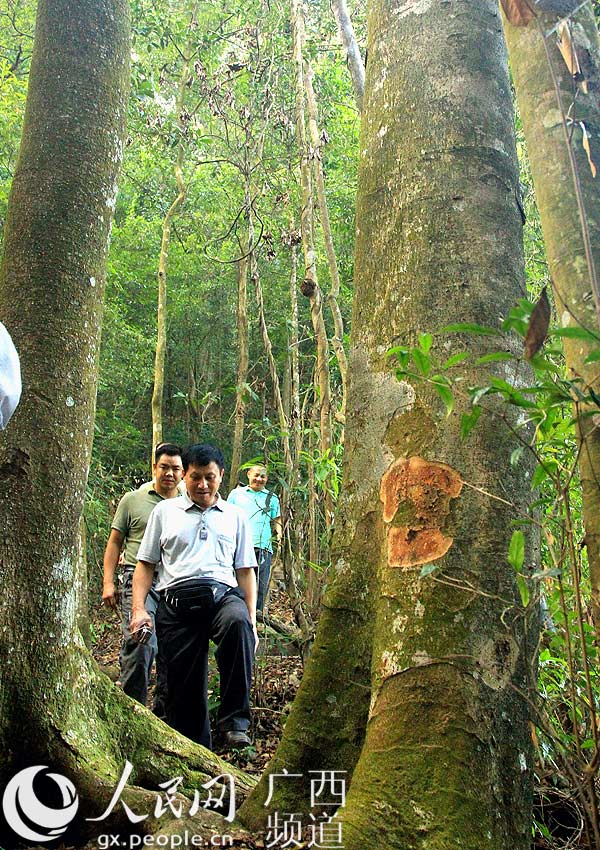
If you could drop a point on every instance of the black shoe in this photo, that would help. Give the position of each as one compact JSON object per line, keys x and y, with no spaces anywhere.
{"x":236,"y":739}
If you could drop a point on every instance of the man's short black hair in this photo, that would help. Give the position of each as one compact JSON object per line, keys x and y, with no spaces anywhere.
{"x":201,"y":454}
{"x":170,"y":449}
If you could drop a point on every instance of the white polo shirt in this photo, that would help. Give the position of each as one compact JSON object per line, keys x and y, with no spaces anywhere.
{"x":10,"y":377}
{"x":185,"y":542}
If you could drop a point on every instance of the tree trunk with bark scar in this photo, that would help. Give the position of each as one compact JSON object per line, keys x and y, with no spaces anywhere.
{"x":553,"y":180}
{"x":56,"y":708}
{"x":446,"y":760}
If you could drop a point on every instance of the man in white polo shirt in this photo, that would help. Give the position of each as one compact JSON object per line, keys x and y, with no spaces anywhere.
{"x":201,"y":548}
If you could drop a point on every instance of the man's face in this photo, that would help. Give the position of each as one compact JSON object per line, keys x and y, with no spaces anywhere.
{"x":257,"y":478}
{"x":202,"y":483}
{"x":168,"y":472}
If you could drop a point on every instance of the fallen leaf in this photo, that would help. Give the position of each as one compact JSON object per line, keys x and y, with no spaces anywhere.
{"x":518,"y":12}
{"x":586,"y":146}
{"x":537,"y":329}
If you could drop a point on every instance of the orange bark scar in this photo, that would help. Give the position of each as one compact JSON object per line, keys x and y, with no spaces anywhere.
{"x":424,"y":489}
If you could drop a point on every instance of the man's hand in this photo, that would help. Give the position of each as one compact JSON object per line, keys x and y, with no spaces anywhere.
{"x":256,"y":640}
{"x":140,"y":619}
{"x":112,"y":553}
{"x":110,"y":595}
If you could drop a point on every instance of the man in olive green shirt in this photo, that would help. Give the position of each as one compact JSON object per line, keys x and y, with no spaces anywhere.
{"x":128,"y":527}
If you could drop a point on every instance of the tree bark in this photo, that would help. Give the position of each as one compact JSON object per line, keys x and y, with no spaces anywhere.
{"x":439,"y":241}
{"x":447,"y":759}
{"x":551,"y":169}
{"x":355,"y":63}
{"x":55,"y":706}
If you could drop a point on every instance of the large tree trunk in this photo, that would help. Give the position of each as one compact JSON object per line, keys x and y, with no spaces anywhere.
{"x":55,"y":707}
{"x":447,"y":760}
{"x":447,"y":756}
{"x":551,"y":167}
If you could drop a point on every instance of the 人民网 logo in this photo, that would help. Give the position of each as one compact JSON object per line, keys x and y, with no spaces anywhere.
{"x":29,"y":817}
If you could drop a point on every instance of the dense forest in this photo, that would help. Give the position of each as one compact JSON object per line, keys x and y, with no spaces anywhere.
{"x":361,"y":246}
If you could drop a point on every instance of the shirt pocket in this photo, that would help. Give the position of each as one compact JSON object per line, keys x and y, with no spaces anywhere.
{"x":225,"y":550}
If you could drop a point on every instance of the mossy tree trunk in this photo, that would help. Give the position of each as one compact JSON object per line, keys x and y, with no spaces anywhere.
{"x":55,"y":706}
{"x":446,"y":760}
{"x":551,"y":168}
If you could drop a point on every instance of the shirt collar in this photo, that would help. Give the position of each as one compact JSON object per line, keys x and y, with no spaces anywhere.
{"x":187,"y":504}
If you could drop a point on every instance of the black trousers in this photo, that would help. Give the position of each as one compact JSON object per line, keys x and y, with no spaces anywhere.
{"x":183,"y":642}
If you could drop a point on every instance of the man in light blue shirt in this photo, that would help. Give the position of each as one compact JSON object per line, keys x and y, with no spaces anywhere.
{"x":262,"y":509}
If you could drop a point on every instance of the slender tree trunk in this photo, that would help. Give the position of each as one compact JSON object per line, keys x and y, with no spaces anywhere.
{"x":447,"y":759}
{"x":242,"y":372}
{"x":332,"y":299}
{"x":295,"y":424}
{"x":161,"y":329}
{"x":551,"y":168}
{"x":55,"y":707}
{"x":264,"y":331}
{"x":310,"y":285}
{"x":312,"y":576}
{"x":355,"y":63}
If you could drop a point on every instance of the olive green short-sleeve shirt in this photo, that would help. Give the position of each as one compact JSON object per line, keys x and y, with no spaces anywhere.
{"x":131,"y":518}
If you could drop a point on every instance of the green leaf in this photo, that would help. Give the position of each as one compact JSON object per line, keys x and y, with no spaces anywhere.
{"x":422,"y":361}
{"x":497,"y":355}
{"x":396,"y":350}
{"x":427,"y":570}
{"x":469,"y":420}
{"x":593,"y":357}
{"x":444,"y":392}
{"x":523,"y":590}
{"x":516,"y":550}
{"x":425,"y":341}
{"x":456,"y":358}
{"x":470,"y":328}
{"x":575,"y":333}
{"x":540,"y":473}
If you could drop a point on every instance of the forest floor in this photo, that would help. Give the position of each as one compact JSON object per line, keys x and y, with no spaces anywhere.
{"x":277,"y":675}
